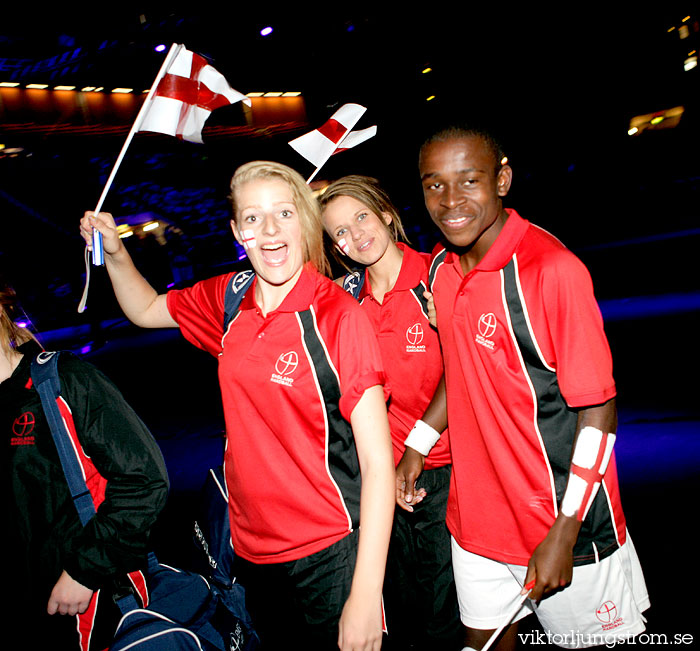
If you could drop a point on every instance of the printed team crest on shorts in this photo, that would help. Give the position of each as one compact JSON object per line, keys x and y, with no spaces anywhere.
{"x":608,"y":616}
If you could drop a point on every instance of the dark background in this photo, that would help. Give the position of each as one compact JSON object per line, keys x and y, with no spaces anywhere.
{"x":559,"y":86}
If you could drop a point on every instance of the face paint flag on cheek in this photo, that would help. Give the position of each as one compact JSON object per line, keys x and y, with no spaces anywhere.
{"x":343,"y":246}
{"x":248,"y":239}
{"x":334,"y":136}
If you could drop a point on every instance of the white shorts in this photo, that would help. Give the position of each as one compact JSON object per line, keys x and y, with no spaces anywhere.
{"x":604,"y":602}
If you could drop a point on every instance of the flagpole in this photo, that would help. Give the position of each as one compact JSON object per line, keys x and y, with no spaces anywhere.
{"x":316,"y":171}
{"x":97,"y":250}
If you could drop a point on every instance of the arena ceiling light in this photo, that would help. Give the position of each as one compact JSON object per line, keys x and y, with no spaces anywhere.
{"x":274,"y":93}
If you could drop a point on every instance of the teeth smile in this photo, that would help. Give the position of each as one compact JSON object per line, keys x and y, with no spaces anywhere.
{"x":456,"y":221}
{"x":274,"y":253}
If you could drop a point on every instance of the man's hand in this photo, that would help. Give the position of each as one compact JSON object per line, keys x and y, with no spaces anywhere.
{"x":407,"y":472}
{"x":432,"y":314}
{"x":552,"y":562}
{"x":68,"y":597}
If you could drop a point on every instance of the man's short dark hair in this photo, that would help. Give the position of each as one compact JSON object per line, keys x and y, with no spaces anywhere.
{"x":462,"y":131}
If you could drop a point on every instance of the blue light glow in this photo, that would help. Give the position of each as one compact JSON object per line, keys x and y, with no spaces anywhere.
{"x":266,"y":31}
{"x":639,"y":307}
{"x":646,"y":239}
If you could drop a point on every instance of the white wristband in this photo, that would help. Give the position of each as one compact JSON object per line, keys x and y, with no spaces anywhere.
{"x":422,"y":438}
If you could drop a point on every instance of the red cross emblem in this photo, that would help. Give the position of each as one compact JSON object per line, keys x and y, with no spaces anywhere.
{"x":24,"y":424}
{"x":414,"y":334}
{"x":287,"y":363}
{"x":607,"y":613}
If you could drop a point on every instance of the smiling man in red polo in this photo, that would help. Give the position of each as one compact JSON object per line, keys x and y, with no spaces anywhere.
{"x":531,"y":412}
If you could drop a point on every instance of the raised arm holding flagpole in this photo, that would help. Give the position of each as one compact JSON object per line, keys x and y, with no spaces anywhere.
{"x":97,"y":252}
{"x":185,"y":91}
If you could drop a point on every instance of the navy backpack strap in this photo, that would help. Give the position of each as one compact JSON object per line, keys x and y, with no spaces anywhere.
{"x":235,"y":290}
{"x":44,"y":370}
{"x":353,"y":282}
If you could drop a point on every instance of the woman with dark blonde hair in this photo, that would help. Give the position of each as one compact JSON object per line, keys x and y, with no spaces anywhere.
{"x":389,"y":280}
{"x":12,"y":336}
{"x":308,"y":452}
{"x":63,"y":574}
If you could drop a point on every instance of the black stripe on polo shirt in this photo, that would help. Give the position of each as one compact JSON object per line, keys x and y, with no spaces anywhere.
{"x":343,"y":462}
{"x":418,"y":291}
{"x":556,"y":422}
{"x":434,"y":266}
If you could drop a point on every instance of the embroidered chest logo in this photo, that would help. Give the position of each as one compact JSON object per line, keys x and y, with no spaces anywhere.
{"x":22,"y":429}
{"x":414,"y":337}
{"x":487,"y":328}
{"x":608,"y":616}
{"x":285,"y":365}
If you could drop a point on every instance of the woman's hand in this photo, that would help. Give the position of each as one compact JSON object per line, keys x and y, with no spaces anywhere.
{"x":105,"y":224}
{"x":68,"y":597}
{"x":360,"y":627}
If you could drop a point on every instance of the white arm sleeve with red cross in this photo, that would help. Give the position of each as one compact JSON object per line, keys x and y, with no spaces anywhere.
{"x":589,"y":462}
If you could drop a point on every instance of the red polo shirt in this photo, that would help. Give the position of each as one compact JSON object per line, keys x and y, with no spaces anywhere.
{"x":410,"y":351}
{"x":524,"y":346}
{"x":289,"y":382}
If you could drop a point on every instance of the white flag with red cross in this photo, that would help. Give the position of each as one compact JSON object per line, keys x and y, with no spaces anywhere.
{"x":185,"y":97}
{"x":334,"y":136}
